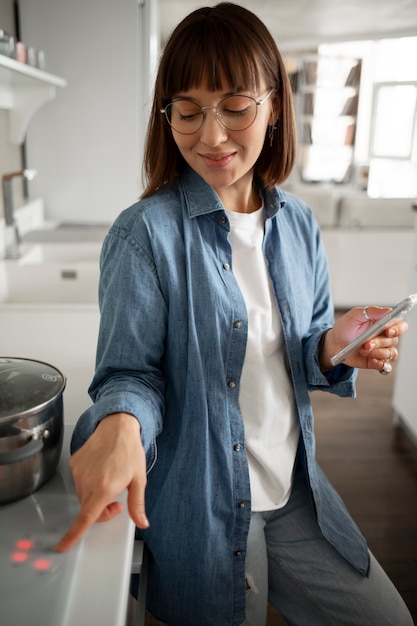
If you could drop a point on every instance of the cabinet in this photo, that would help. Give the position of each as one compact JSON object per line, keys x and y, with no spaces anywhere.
{"x":405,"y":390}
{"x":23,"y":89}
{"x":326,"y":97}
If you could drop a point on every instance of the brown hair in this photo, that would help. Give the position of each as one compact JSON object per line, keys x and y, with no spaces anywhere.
{"x":213,"y":43}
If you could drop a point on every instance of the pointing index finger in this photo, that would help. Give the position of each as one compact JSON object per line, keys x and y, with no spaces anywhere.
{"x":89,"y":514}
{"x":79,"y":527}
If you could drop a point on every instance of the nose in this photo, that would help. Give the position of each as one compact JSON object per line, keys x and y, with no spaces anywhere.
{"x":212,"y":132}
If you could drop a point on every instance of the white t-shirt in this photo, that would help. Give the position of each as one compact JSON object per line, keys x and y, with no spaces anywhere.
{"x":266,"y":394}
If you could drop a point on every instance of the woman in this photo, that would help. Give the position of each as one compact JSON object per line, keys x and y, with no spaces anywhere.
{"x":216,"y":324}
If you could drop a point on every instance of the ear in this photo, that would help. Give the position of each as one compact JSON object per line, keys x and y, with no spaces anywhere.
{"x":273,"y":118}
{"x":275,"y":111}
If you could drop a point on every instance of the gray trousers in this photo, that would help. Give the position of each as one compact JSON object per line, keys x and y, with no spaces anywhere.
{"x":290,"y":564}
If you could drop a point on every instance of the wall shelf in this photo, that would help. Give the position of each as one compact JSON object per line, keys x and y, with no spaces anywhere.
{"x":23,"y":90}
{"x":326,"y":94}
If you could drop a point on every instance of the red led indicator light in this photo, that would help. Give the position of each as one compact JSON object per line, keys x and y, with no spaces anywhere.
{"x":19,"y":557}
{"x":24,"y":544}
{"x":42,"y":565}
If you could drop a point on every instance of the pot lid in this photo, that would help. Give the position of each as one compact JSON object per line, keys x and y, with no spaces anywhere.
{"x":27,"y":385}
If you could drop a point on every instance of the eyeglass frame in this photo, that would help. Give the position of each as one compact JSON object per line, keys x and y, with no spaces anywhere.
{"x":218,"y":116}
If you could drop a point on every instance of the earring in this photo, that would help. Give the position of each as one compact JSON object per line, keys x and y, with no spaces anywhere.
{"x":272,"y":129}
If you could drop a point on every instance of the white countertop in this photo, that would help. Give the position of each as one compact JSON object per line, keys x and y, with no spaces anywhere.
{"x":88,"y":585}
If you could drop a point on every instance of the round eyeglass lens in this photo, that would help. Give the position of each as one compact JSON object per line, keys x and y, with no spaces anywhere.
{"x":184,"y":116}
{"x":237,"y":112}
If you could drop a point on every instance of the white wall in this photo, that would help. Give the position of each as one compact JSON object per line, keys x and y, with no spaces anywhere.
{"x":87,"y":144}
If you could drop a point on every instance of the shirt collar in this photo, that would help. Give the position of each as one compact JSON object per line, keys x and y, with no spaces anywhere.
{"x":195,"y":188}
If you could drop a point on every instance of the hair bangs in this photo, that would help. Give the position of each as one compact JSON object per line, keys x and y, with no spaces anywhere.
{"x":213,"y":57}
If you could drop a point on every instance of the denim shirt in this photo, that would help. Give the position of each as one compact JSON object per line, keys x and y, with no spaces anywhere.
{"x":170,"y":351}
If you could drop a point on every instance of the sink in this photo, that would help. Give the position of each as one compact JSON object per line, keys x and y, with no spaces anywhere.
{"x":64,"y":232}
{"x":49,"y":311}
{"x":61,"y":253}
{"x":59,"y":274}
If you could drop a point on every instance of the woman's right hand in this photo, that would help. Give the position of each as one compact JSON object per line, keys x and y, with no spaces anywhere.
{"x":111,"y":460}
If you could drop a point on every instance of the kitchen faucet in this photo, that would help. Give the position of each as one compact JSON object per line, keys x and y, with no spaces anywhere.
{"x":12,"y":236}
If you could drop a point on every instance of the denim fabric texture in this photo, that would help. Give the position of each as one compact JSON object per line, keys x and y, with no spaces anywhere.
{"x":170,"y":351}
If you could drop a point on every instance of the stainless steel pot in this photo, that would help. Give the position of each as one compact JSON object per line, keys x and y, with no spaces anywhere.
{"x":31,"y":425}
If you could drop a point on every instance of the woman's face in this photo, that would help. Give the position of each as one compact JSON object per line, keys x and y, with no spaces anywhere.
{"x":225,"y":158}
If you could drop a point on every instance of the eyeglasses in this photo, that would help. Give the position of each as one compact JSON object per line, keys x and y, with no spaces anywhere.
{"x":235,"y":112}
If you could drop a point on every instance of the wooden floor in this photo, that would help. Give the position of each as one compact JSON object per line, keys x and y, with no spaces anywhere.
{"x":373,"y":465}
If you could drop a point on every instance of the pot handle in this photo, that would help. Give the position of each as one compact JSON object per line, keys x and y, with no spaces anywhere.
{"x":20,"y":454}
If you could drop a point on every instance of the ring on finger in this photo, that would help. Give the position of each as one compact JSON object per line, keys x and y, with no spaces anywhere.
{"x":386,"y":368}
{"x":365,"y":313}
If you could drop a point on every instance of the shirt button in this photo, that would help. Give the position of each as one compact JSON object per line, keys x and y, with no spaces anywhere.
{"x":231,"y":384}
{"x":226,"y":266}
{"x":237,"y":447}
{"x":241,"y":505}
{"x":238,"y":552}
{"x":223,"y":219}
{"x":238,"y":324}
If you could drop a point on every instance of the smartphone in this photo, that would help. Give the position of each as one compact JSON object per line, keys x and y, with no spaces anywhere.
{"x":399,"y":312}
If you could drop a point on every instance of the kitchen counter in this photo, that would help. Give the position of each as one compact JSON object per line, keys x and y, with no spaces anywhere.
{"x":87,"y":585}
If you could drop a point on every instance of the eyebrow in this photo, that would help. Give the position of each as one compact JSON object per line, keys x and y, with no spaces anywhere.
{"x":238,"y":92}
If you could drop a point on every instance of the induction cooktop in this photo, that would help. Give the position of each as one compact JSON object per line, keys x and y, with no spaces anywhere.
{"x":35,"y":581}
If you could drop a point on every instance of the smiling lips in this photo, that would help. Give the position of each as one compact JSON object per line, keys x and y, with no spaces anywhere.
{"x":217,"y":160}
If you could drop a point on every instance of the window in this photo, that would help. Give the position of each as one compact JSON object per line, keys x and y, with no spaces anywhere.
{"x":393,"y":136}
{"x":386,"y":136}
{"x":393,"y":122}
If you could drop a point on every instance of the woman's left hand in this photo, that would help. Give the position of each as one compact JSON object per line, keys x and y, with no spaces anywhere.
{"x":375,"y":352}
